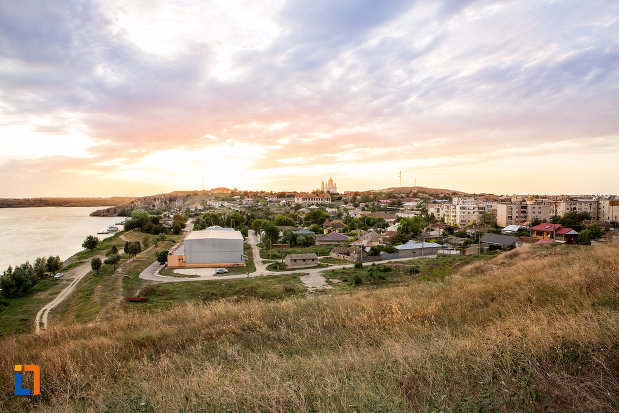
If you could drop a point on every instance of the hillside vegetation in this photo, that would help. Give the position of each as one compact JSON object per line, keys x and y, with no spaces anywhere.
{"x":534,"y":329}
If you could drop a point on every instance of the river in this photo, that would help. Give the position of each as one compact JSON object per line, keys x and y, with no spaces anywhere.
{"x":27,"y":233}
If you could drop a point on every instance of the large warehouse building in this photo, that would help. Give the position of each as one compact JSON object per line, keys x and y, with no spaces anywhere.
{"x":218,"y":247}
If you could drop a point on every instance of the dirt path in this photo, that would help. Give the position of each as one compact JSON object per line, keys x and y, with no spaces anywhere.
{"x":40,"y":321}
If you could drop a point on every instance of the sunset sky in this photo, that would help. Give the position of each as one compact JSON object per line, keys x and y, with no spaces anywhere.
{"x":139,"y":97}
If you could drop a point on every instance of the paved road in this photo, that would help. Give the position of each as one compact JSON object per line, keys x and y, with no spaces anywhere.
{"x":78,"y":273}
{"x":314,"y":280}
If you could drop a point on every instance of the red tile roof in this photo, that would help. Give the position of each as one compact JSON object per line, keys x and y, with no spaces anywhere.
{"x":546,"y":227}
{"x":564,"y":230}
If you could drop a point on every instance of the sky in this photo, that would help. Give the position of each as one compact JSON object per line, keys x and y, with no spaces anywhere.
{"x":103,"y":98}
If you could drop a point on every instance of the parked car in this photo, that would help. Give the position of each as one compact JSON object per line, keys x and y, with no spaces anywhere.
{"x":221,"y":271}
{"x":59,"y":275}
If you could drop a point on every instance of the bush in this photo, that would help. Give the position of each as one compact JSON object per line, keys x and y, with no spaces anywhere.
{"x":90,"y":242}
{"x":356,"y":280}
{"x":414,"y":269}
{"x":358,"y":265}
{"x":162,"y":256}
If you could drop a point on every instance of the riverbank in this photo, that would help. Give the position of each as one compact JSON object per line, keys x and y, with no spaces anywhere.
{"x":64,"y":202}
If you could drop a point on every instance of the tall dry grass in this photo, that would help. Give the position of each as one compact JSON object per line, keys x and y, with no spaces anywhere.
{"x":532,"y":330}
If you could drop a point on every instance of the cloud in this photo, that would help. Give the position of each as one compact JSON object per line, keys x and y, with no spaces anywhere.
{"x":335,"y":84}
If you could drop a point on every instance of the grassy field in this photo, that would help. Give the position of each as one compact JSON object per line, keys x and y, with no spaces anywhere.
{"x":531,"y":330}
{"x":272,"y":287}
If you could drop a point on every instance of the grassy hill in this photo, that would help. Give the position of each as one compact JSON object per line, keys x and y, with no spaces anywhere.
{"x":535,"y":329}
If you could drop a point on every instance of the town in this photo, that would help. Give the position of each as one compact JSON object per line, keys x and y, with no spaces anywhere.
{"x":371,"y":226}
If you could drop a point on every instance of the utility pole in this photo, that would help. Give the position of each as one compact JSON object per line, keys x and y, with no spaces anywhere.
{"x":400,"y":177}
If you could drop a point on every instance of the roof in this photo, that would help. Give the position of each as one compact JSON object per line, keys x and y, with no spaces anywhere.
{"x":285,"y":227}
{"x":214,"y":234}
{"x":504,"y":240}
{"x":339,"y":250}
{"x":333,"y":236}
{"x":512,"y":228}
{"x":546,"y":227}
{"x":567,"y":231}
{"x":302,"y":256}
{"x":411,"y":245}
{"x":545,"y":241}
{"x":304,"y":232}
{"x":336,"y":223}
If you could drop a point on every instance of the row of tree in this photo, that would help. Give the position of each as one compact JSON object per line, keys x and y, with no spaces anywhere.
{"x":16,"y":282}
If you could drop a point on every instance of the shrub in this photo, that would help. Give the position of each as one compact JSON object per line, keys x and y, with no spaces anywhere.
{"x":358,"y":265}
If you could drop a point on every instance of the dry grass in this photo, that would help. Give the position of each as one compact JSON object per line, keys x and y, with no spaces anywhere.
{"x":531,"y":330}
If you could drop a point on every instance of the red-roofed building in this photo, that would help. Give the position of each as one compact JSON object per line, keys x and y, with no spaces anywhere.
{"x":554,"y":232}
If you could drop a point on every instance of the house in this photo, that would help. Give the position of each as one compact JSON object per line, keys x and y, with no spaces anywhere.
{"x":505,"y":241}
{"x":194,"y":207}
{"x":304,"y":232}
{"x":336,"y":225}
{"x":283,"y":228}
{"x":301,"y":260}
{"x":353,"y":254}
{"x":545,"y":231}
{"x":413,"y":249}
{"x":566,"y":235}
{"x":331,"y":238}
{"x":554,"y":232}
{"x":369,"y":239}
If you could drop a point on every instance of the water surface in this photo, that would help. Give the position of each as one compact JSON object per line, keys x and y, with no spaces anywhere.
{"x":27,"y":233}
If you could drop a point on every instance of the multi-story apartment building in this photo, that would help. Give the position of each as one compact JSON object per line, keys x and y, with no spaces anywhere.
{"x":463,"y":214}
{"x":608,"y":210}
{"x":576,"y":205}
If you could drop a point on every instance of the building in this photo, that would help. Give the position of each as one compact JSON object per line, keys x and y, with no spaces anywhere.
{"x":521,"y":213}
{"x":589,"y":206}
{"x":330,"y":186}
{"x":414,"y":249}
{"x":312,"y":199}
{"x":545,"y":231}
{"x":221,"y":190}
{"x":331,"y":238}
{"x":505,"y":241}
{"x":218,"y":247}
{"x":554,"y":232}
{"x":301,"y":260}
{"x":336,"y":225}
{"x":608,"y":210}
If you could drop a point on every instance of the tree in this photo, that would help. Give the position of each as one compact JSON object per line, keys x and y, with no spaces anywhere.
{"x":592,"y":232}
{"x":112,"y":260}
{"x":244,"y":230}
{"x":90,"y":242}
{"x":145,"y":242}
{"x":158,"y":239}
{"x":162,"y":256}
{"x":281,"y":220}
{"x":53,"y":264}
{"x":112,"y":251}
{"x":535,"y":221}
{"x":316,"y":216}
{"x":487,"y":219}
{"x":18,"y":282}
{"x":374,"y":251}
{"x":177,"y":227}
{"x":40,"y":266}
{"x":271,"y":231}
{"x":134,"y":248}
{"x":316,"y":229}
{"x":256,"y":224}
{"x":95,"y":264}
{"x":414,"y":225}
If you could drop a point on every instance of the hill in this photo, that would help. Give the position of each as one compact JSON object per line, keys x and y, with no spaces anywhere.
{"x":63,"y":202}
{"x":533,"y":329}
{"x":428,"y":190}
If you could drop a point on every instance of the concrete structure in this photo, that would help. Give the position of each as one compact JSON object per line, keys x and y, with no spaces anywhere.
{"x":221,"y":190}
{"x":209,"y":248}
{"x":577,"y":205}
{"x":608,"y":210}
{"x":301,"y":260}
{"x":521,"y":213}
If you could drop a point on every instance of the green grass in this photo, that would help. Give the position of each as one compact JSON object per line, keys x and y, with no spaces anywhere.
{"x":17,"y":314}
{"x":273,"y":287}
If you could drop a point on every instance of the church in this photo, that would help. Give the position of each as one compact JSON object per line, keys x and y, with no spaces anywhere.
{"x":330,"y":186}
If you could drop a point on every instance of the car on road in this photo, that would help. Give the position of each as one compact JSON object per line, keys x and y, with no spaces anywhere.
{"x":221,"y":271}
{"x":59,"y":275}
